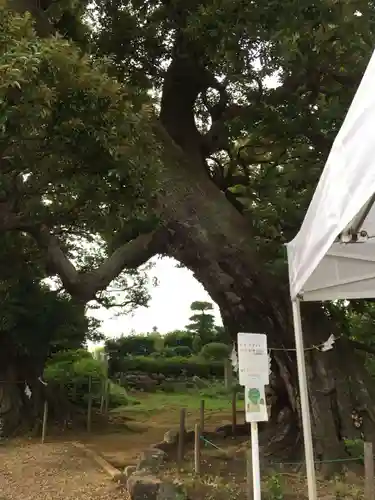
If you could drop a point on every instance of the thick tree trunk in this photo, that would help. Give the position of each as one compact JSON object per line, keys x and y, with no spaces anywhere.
{"x":20,"y":392}
{"x":11,"y":403}
{"x":212,"y":239}
{"x":209,"y":236}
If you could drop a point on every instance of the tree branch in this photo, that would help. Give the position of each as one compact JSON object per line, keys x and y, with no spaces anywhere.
{"x":84,"y":286}
{"x":216,"y":138}
{"x":11,"y":221}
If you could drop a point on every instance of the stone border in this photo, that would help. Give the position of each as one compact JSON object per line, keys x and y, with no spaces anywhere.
{"x":115,"y":474}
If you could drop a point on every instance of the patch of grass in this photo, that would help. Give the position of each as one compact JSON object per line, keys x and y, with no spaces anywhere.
{"x":165,"y":407}
{"x":161,"y":401}
{"x":206,"y":487}
{"x":355,"y":448}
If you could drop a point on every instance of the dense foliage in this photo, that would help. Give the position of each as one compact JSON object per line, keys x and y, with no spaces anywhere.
{"x":215,"y":351}
{"x":79,"y":376}
{"x":272,"y":100}
{"x":68,"y":132}
{"x":201,"y":339}
{"x":35,"y":321}
{"x":194,"y":351}
{"x":171,"y":366}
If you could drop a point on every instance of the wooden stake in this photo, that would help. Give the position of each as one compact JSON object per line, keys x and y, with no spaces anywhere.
{"x":89,"y":407}
{"x":102,"y":396}
{"x":369,"y":471}
{"x":249,"y":476}
{"x":181,"y":436}
{"x":201,"y":416}
{"x":227,"y":374}
{"x":107,"y":391}
{"x":45,"y":419}
{"x":234,"y":412}
{"x":197,"y":450}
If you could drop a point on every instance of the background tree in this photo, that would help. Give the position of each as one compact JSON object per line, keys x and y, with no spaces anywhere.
{"x":202,"y":323}
{"x":35,"y":323}
{"x":222,"y":335}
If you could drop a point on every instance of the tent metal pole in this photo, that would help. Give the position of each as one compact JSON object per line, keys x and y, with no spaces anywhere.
{"x":305,"y":406}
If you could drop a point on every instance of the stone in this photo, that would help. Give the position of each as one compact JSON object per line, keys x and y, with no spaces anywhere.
{"x":201,"y":384}
{"x":171,"y":437}
{"x":143,"y":487}
{"x":129,"y":470}
{"x":170,"y":491}
{"x":148,"y":487}
{"x":166,"y":447}
{"x":151,"y":460}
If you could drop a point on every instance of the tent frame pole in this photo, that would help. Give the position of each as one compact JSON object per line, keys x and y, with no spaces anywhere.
{"x":304,"y":396}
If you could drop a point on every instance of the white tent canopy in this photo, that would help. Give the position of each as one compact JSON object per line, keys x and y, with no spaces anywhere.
{"x":333,"y":255}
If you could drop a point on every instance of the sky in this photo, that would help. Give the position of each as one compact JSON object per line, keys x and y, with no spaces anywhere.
{"x":169,"y":308}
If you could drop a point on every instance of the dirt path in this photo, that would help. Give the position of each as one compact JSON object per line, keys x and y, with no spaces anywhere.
{"x":55,"y":471}
{"x":123,"y":447}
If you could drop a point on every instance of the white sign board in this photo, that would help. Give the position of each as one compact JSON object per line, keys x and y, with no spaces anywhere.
{"x":253,"y":358}
{"x":255,"y":401}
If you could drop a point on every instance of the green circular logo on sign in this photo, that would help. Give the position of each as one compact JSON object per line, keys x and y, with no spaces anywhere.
{"x":254,"y":396}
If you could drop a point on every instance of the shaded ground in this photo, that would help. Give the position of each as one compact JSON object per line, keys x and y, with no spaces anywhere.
{"x":58,"y":471}
{"x":137,"y":427}
{"x":55,"y":471}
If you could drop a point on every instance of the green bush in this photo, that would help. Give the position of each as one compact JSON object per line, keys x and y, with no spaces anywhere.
{"x":197,"y":343}
{"x":354,"y":447}
{"x":73,"y":366}
{"x":215,"y":350}
{"x":180,"y":351}
{"x":74,"y":371}
{"x":179,"y":338}
{"x":183,"y":351}
{"x":117,"y":395}
{"x":132,"y":345}
{"x":168,"y":352}
{"x":175,"y":366}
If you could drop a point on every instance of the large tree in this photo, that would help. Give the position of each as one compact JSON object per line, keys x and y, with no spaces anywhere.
{"x":202,"y":322}
{"x":215,"y":169}
{"x":35,"y":323}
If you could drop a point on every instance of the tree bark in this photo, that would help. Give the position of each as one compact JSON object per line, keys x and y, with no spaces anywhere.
{"x":210,"y":237}
{"x":213,"y":239}
{"x":13,"y":410}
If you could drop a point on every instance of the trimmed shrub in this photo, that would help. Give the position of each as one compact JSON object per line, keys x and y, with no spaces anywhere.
{"x":168,"y":352}
{"x":175,"y":366}
{"x":179,"y":338}
{"x":215,"y":351}
{"x":183,"y":351}
{"x":131,"y":345}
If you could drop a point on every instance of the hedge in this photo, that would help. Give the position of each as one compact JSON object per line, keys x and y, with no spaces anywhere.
{"x":175,"y":366}
{"x":215,"y":350}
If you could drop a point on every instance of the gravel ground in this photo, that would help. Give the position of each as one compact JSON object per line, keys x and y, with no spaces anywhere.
{"x":52,"y":472}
